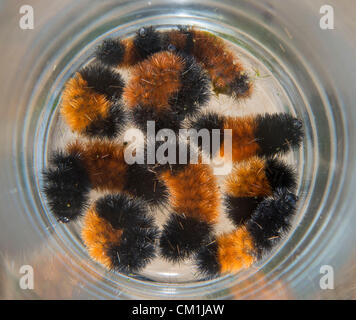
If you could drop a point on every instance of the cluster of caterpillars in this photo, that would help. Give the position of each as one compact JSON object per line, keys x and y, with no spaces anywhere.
{"x":172,"y":76}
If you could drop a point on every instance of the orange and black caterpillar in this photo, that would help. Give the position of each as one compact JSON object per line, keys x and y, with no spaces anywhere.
{"x":165,"y":88}
{"x":259,"y":200}
{"x":119,"y":233}
{"x":250,"y":182}
{"x":98,"y":165}
{"x":226,"y":72}
{"x":263,"y":135}
{"x":91,"y":102}
{"x":231,"y":252}
{"x":195,"y":200}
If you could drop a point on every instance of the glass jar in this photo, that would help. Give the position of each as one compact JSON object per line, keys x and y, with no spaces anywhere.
{"x":315,"y":68}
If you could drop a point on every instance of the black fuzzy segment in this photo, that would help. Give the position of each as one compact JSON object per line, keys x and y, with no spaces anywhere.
{"x":103,"y":80}
{"x":135,"y":250}
{"x":110,"y":52}
{"x":123,"y":212}
{"x":183,"y":236}
{"x":168,"y":120}
{"x":187,"y":49}
{"x":271,"y":220}
{"x":278,"y":133}
{"x":209,"y":121}
{"x":280,"y":175}
{"x":110,"y":126}
{"x":166,"y":45}
{"x":144,"y":183}
{"x":66,"y":186}
{"x":147,"y":42}
{"x":195,"y":88}
{"x":239,"y":210}
{"x":240,"y":85}
{"x":207,"y":260}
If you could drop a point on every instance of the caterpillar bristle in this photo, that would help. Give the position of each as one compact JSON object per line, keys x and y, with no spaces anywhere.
{"x":241,"y":86}
{"x":105,"y":163}
{"x":194,"y":191}
{"x":154,"y":81}
{"x":226,"y":72}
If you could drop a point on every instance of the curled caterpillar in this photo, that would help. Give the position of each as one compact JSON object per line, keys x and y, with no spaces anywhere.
{"x":119,"y":233}
{"x":91,"y":102}
{"x":250,"y":182}
{"x":239,"y":249}
{"x":226,"y":72}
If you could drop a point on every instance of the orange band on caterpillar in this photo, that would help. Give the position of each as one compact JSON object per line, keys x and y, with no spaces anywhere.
{"x":81,"y":104}
{"x":194,"y":192}
{"x":154,"y":81}
{"x":234,"y":250}
{"x":248,"y":179}
{"x":98,"y":234}
{"x":226,"y":72}
{"x":104,"y":162}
